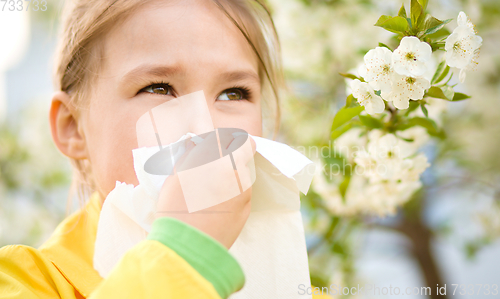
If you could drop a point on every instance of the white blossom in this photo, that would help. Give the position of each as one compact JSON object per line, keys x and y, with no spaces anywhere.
{"x":431,"y":68}
{"x":387,"y":174}
{"x":406,"y":88}
{"x":411,"y":169}
{"x":349,"y":143}
{"x":384,"y":157}
{"x":387,"y":166}
{"x":462,"y":46}
{"x":329,"y":191}
{"x":380,"y":198}
{"x":366,"y":97}
{"x":462,"y":20}
{"x":489,"y":220}
{"x":412,"y":57}
{"x":386,"y":196}
{"x":377,"y":68}
{"x":348,"y":81}
{"x":418,"y":137}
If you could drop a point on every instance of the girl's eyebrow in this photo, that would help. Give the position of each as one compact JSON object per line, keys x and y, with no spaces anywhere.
{"x":240,"y":75}
{"x":146,"y":70}
{"x":150,"y":70}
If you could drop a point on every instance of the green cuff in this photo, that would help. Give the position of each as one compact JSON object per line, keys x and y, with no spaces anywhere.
{"x":205,"y":254}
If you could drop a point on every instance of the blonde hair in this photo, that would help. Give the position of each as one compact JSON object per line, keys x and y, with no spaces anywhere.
{"x":79,"y":53}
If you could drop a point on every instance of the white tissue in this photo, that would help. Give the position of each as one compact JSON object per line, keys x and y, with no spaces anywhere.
{"x":271,"y":248}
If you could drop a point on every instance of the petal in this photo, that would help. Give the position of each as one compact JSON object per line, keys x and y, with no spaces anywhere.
{"x":362,"y":71}
{"x":424,"y":51}
{"x":417,"y":69}
{"x":402,"y":69}
{"x":355,"y":84}
{"x":450,"y":41}
{"x":462,"y":19}
{"x":401,"y":102}
{"x":382,"y":83}
{"x":384,"y":54}
{"x":462,"y":76}
{"x":424,"y":83}
{"x":369,"y":108}
{"x":378,"y":104}
{"x":417,"y":94}
{"x":409,"y":42}
{"x":477,"y":41}
{"x":388,"y":141}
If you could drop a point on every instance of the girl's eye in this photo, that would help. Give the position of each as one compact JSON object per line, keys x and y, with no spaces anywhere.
{"x":158,"y":88}
{"x":233,"y":94}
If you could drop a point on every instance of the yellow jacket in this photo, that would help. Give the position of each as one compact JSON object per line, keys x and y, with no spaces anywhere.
{"x":63,"y":266}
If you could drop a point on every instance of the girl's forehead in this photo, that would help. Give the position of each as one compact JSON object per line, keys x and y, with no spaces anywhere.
{"x":192,"y":34}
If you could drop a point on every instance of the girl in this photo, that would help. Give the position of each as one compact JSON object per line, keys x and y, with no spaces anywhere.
{"x":117,"y":60}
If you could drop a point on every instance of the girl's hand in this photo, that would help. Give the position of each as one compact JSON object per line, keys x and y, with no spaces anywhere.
{"x":224,"y":221}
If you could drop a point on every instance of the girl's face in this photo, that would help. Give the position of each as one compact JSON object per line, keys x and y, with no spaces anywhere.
{"x":161,"y":52}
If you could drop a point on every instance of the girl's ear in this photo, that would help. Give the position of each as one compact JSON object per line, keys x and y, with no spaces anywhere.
{"x":65,"y":127}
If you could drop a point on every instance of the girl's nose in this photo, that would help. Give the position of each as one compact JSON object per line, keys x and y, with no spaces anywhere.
{"x":168,"y":122}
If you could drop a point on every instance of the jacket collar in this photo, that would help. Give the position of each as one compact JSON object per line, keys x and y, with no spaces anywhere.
{"x":71,"y":247}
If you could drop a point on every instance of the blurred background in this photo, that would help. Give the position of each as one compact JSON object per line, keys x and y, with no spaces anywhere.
{"x":448,"y":233}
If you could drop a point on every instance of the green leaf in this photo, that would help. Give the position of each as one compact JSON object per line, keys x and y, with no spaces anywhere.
{"x":349,"y":100}
{"x":423,"y":3}
{"x":449,"y":78}
{"x":384,"y":45}
{"x":344,"y":115}
{"x":406,"y":139}
{"x":433,"y":25}
{"x":430,"y":22}
{"x":408,"y":20}
{"x":370,"y":121}
{"x":439,"y":34}
{"x":424,"y":122}
{"x":343,"y":186}
{"x":424,"y":110}
{"x":382,"y":19}
{"x":402,"y":11}
{"x":338,"y":132}
{"x":437,"y":46}
{"x":443,"y":74}
{"x":439,"y":134}
{"x":351,"y":76}
{"x":338,"y":248}
{"x":460,"y":96}
{"x":438,"y":72}
{"x":418,"y":121}
{"x":337,"y":164}
{"x":448,"y":92}
{"x":393,"y":24}
{"x":436,"y":92}
{"x":413,"y":105}
{"x":416,"y":15}
{"x":318,"y":281}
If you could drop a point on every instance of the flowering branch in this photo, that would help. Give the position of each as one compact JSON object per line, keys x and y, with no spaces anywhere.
{"x":394,"y":106}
